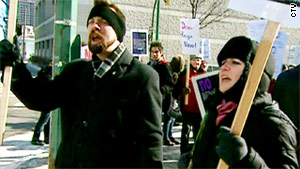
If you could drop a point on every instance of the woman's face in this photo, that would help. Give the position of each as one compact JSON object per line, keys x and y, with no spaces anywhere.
{"x":230,"y":73}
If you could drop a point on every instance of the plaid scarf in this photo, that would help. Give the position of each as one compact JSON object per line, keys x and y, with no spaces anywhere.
{"x":106,"y":65}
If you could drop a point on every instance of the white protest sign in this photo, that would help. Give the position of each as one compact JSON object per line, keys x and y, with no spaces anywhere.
{"x":278,"y":51}
{"x":255,"y":32}
{"x":205,"y":48}
{"x":287,"y":13}
{"x":294,"y":54}
{"x":190,"y":33}
{"x":86,"y":53}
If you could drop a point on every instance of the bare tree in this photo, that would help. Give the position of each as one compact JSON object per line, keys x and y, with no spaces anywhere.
{"x":215,"y":12}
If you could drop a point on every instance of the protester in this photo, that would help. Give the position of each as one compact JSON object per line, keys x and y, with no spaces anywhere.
{"x":191,"y":116}
{"x":268,"y":139}
{"x":177,"y":66}
{"x":110,"y":105}
{"x":161,"y":66}
{"x":44,"y":121}
{"x":286,"y":93}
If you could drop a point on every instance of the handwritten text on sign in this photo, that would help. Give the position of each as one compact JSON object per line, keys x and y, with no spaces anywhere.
{"x":189,"y":30}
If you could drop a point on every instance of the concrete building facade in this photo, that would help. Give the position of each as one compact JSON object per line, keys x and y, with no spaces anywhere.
{"x":139,"y":16}
{"x":44,"y":28}
{"x":26,"y":20}
{"x":26,"y":7}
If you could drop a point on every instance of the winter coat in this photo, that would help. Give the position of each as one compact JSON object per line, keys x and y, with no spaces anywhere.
{"x":192,"y":105}
{"x":113,"y":121}
{"x":166,"y":82}
{"x":286,"y":92}
{"x":269,"y":134}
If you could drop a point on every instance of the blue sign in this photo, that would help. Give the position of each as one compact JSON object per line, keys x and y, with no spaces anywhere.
{"x":139,"y":42}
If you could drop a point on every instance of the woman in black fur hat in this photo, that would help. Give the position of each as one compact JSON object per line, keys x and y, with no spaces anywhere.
{"x":269,"y":137}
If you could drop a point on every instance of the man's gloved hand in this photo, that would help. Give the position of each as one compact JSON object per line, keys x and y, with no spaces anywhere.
{"x":231,"y":148}
{"x":186,"y":90}
{"x":9,"y":53}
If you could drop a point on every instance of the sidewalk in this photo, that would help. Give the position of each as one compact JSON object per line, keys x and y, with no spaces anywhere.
{"x":17,"y":152}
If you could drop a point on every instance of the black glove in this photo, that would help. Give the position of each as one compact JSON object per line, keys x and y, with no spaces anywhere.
{"x":186,"y":90}
{"x":231,"y":148}
{"x":9,"y":53}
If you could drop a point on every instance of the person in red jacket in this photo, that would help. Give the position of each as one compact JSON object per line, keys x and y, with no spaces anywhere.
{"x":191,"y":116}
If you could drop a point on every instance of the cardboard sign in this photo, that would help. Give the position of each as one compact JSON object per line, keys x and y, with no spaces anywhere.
{"x":287,"y":13}
{"x":139,"y":42}
{"x":190,"y":33}
{"x":205,"y":85}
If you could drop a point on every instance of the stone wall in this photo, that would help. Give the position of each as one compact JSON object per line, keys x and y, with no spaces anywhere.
{"x":139,"y":16}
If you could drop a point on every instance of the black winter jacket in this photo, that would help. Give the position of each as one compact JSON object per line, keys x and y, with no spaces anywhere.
{"x":269,"y":134}
{"x":113,"y":122}
{"x":166,"y":83}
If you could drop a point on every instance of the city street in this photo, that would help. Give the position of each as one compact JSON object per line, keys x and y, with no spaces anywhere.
{"x":17,"y":151}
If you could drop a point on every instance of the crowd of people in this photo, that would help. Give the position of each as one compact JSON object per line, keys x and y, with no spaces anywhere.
{"x":117,"y":112}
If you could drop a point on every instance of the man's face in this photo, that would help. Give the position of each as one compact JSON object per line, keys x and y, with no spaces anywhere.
{"x":155,"y":53}
{"x":196,"y":62}
{"x":101,"y":35}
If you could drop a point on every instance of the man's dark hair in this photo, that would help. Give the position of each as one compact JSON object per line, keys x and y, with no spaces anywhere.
{"x":156,"y":44}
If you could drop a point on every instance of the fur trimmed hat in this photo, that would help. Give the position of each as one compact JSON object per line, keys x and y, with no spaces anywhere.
{"x":245,"y":49}
{"x":117,"y":22}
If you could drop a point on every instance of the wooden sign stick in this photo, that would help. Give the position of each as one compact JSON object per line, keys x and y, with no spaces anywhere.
{"x":253,"y":80}
{"x":12,"y":13}
{"x":187,"y":80}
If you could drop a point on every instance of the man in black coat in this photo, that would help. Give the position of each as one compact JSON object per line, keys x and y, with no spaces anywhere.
{"x":286,"y":93}
{"x":110,"y":106}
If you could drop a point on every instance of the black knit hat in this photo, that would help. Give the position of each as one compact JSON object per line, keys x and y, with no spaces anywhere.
{"x":245,"y":49}
{"x":114,"y":20}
